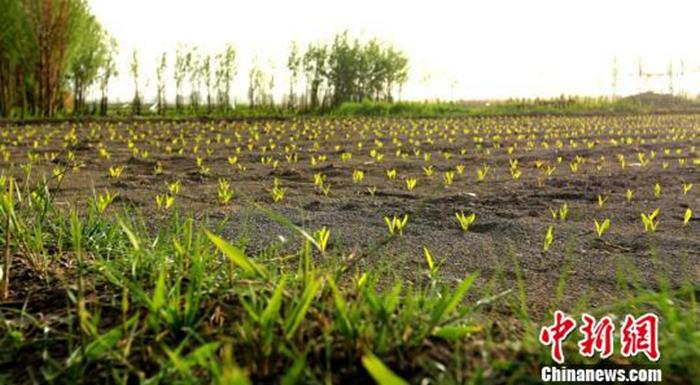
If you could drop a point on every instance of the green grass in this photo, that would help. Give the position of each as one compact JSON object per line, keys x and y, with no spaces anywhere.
{"x":564,"y":105}
{"x":113,"y":298}
{"x":557,"y":106}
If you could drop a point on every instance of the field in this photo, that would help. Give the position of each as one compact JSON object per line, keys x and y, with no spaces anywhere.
{"x":438,"y":245}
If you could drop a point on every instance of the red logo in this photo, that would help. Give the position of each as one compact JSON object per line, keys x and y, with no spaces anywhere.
{"x":556,"y":334}
{"x":597,"y":336}
{"x":640,"y":335}
{"x":637,"y":335}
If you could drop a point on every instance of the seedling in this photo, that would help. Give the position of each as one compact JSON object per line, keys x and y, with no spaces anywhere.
{"x":411,"y":183}
{"x":601,"y":200}
{"x":319,"y":178}
{"x":115,"y":172}
{"x":358,"y":176}
{"x":428,"y":171}
{"x":643,"y":161}
{"x":482,"y":172}
{"x":164,"y":201}
{"x":548,"y":237}
{"x":372,"y":190}
{"x":174,"y":187}
{"x":158,"y":168}
{"x":102,"y":201}
{"x":224,"y":193}
{"x":601,"y":228}
{"x":687,"y":187}
{"x":573,"y":166}
{"x":326,"y":189}
{"x":321,"y":237}
{"x":391,"y":174}
{"x":564,"y":212}
{"x":396,"y":224}
{"x":277,"y":191}
{"x":657,"y":190}
{"x":515,"y":173}
{"x":433,"y":268}
{"x":465,"y":220}
{"x":448,"y":177}
{"x":650,"y":222}
{"x":687,"y":216}
{"x":629,"y":195}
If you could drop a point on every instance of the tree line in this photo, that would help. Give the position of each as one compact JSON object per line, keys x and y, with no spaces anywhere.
{"x":54,"y":53}
{"x":46,"y":48}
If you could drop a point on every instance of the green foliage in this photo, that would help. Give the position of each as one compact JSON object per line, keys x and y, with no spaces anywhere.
{"x":35,"y":70}
{"x":351,"y":70}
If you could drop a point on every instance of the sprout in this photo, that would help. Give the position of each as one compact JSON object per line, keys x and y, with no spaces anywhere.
{"x":482,"y":172}
{"x":277,"y":191}
{"x":116,"y":172}
{"x":164,"y":201}
{"x":396,"y":224}
{"x":104,"y":200}
{"x":687,"y":216}
{"x":601,"y":228}
{"x":319,"y":178}
{"x":448,"y":178}
{"x":650,"y":222}
{"x":548,"y":237}
{"x":657,"y":190}
{"x":174,"y":187}
{"x":464,"y":220}
{"x":687,"y":187}
{"x":224,"y":193}
{"x":574,"y":167}
{"x":601,"y":200}
{"x":358,"y":176}
{"x":433,"y":268}
{"x":411,"y":183}
{"x":321,"y":237}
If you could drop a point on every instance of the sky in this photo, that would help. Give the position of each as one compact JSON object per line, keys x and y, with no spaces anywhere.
{"x":458,"y":50}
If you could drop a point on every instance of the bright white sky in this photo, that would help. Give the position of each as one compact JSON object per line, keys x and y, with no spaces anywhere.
{"x":458,"y":49}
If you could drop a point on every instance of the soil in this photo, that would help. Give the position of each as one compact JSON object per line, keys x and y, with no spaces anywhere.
{"x":512,"y":216}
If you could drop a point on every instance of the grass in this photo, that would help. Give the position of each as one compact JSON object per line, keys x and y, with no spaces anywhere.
{"x":512,"y":107}
{"x":646,"y":103}
{"x":102,"y":295}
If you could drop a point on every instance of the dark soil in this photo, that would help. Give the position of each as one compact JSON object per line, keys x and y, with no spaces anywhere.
{"x":512,"y":215}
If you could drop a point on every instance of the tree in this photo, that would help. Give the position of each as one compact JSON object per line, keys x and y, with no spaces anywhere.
{"x":353,"y":71}
{"x":134,"y":70}
{"x":225,"y":72}
{"x":88,"y":56}
{"x":179,"y":73}
{"x":18,"y":57}
{"x":160,"y":79}
{"x":206,"y":74}
{"x":195,"y":75}
{"x":46,"y":48}
{"x":260,"y":85}
{"x":108,"y":70}
{"x":315,"y":59}
{"x":293,"y":65}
